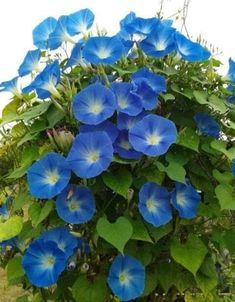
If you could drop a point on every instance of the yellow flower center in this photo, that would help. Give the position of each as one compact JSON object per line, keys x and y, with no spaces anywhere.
{"x":160,"y":46}
{"x":151,"y":205}
{"x":122,"y":104}
{"x":124,"y":277}
{"x":96,"y":108}
{"x":51,"y":177}
{"x":153,"y":139}
{"x":180,"y":199}
{"x":103,"y":53}
{"x":93,"y":156}
{"x":125,"y":145}
{"x":49,"y":261}
{"x":73,"y":206}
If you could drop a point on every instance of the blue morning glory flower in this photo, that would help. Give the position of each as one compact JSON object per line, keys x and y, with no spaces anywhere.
{"x":45,"y":82}
{"x":233,"y":167}
{"x":190,"y":51}
{"x":30,"y":62}
{"x":75,"y":204}
{"x":13,"y":242}
{"x":80,"y":21}
{"x":48,"y":176}
{"x":126,"y":278}
{"x":76,"y":57}
{"x":42,"y":31}
{"x":43,"y":263}
{"x":160,"y":42}
{"x":207,"y":125}
{"x":127,"y":102}
{"x":127,"y":20}
{"x":148,"y":85}
{"x":231,"y":89}
{"x":105,"y":126}
{"x":103,"y":50}
{"x":185,"y":200}
{"x":63,"y":238}
{"x":11,"y":86}
{"x":141,"y":26}
{"x":60,"y":33}
{"x":153,"y":135}
{"x":154,"y":204}
{"x":90,"y":154}
{"x":126,"y":122}
{"x":5,"y":208}
{"x":123,"y":147}
{"x":231,"y":70}
{"x":94,"y":104}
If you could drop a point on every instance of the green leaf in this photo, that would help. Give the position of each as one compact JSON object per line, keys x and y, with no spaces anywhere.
{"x":117,"y":233}
{"x":35,"y":111}
{"x":21,"y":200}
{"x":226,"y":197}
{"x":190,"y":254}
{"x":160,"y":232}
{"x":152,"y":173}
{"x":183,"y":91}
{"x":150,"y":282}
{"x":10,"y":228}
{"x":9,"y":113}
{"x":168,"y":97}
{"x":139,"y":231}
{"x":85,"y":290}
{"x":38,"y":214}
{"x":225,"y":177}
{"x":200,"y":96}
{"x":53,"y":116}
{"x":222,"y":147}
{"x":119,"y":182}
{"x":143,"y":253}
{"x":174,"y":171}
{"x":14,"y":268}
{"x":217,"y":104}
{"x":171,"y":274}
{"x":189,"y":139}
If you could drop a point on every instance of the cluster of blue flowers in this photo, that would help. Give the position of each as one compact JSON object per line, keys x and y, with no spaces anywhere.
{"x":115,"y":118}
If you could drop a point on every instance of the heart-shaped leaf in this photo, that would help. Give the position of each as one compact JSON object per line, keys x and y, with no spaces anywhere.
{"x":11,"y":228}
{"x":117,"y":233}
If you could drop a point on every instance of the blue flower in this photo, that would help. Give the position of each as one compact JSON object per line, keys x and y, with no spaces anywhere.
{"x":160,"y":42}
{"x":126,"y":278}
{"x":207,"y":125}
{"x":43,"y":263}
{"x":231,"y":70}
{"x":148,"y":85}
{"x":154,"y":204}
{"x":75,"y":204}
{"x":48,"y":176}
{"x":11,"y":86}
{"x":153,"y":135}
{"x":231,"y":89}
{"x":127,"y":20}
{"x":105,"y":126}
{"x":94,"y":104}
{"x":123,"y":147}
{"x":45,"y":82}
{"x":127,"y":102}
{"x":76,"y":56}
{"x":30,"y":62}
{"x":5,"y":208}
{"x":126,"y":122}
{"x":185,"y":200}
{"x":42,"y":31}
{"x":190,"y":51}
{"x":63,"y":238}
{"x":233,"y":167}
{"x":80,"y":22}
{"x":13,"y":242}
{"x":141,"y":26}
{"x":90,"y":154}
{"x":60,"y":33}
{"x":103,"y":50}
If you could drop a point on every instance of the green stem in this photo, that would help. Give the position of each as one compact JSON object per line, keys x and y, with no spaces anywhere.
{"x":103,"y":73}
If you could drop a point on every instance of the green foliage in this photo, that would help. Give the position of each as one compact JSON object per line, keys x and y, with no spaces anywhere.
{"x":10,"y":228}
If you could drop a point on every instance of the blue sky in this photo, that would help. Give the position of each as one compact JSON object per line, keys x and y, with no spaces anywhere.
{"x":211,"y":19}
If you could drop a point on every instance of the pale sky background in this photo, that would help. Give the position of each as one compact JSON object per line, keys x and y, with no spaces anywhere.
{"x":213,"y":19}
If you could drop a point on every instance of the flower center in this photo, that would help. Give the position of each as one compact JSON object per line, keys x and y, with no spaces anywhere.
{"x":49,"y":261}
{"x":103,"y":53}
{"x":122,"y":104}
{"x":96,"y":108}
{"x":153,"y":139}
{"x":160,"y":46}
{"x":124,"y":277}
{"x":125,"y":145}
{"x":52,"y":177}
{"x":151,"y":205}
{"x":93,"y":156}
{"x":73,"y":206}
{"x":180,"y":199}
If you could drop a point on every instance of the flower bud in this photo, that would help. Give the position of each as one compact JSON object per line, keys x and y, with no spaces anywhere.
{"x":60,"y":138}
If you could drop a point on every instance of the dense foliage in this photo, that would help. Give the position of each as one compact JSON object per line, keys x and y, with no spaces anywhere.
{"x":116,"y":170}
